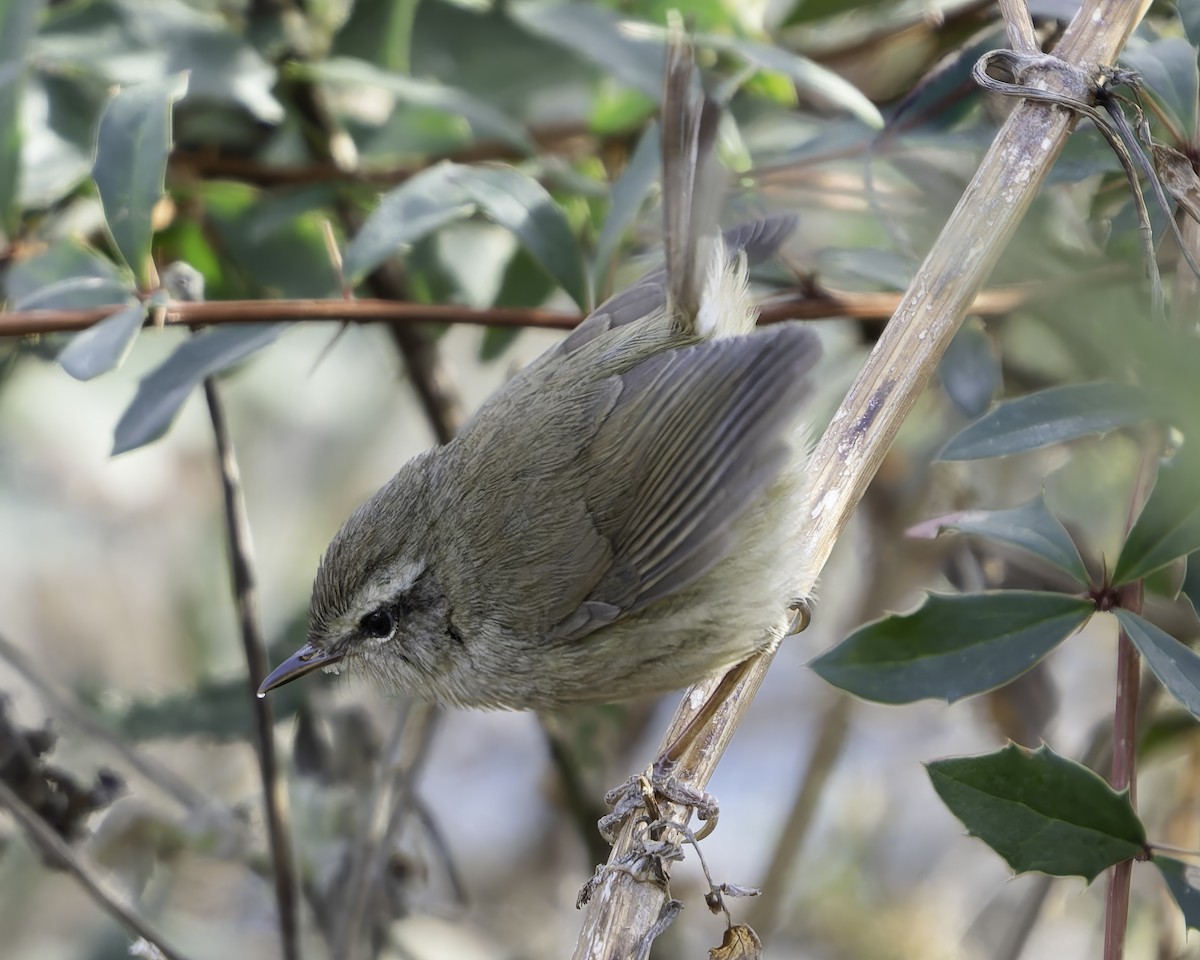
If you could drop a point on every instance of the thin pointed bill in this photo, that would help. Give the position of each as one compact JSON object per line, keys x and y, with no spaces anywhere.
{"x":305,"y":660}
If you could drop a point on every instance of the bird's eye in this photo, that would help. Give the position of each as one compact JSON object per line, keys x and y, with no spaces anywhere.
{"x":378,"y":623}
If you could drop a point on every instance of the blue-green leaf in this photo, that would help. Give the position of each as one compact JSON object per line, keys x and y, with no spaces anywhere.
{"x":1168,"y":526}
{"x":1051,"y":416}
{"x":626,"y":198}
{"x":819,"y":82}
{"x":104,"y":345}
{"x":630,"y":50}
{"x":952,"y":647}
{"x":519,"y":203}
{"x":1040,"y":812}
{"x":132,"y":145}
{"x":1030,"y":527}
{"x":416,"y":208}
{"x":484,"y":119}
{"x":18,"y":23}
{"x":163,"y":391}
{"x":379,"y":31}
{"x":970,"y":370}
{"x":66,"y":277}
{"x":1176,"y":666}
{"x":1191,"y":581}
{"x":1183,"y":881}
{"x":1168,"y":70}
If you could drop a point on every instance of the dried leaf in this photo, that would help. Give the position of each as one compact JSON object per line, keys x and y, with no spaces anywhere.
{"x":740,"y":943}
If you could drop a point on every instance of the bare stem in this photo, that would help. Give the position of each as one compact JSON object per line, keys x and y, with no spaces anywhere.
{"x":623,"y":912}
{"x":237,"y":529}
{"x":1124,"y":776}
{"x":381,"y":816}
{"x":60,"y":702}
{"x":60,"y":853}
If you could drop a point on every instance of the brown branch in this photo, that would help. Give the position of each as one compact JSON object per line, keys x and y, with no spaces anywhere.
{"x":237,"y":529}
{"x":566,"y":139}
{"x":822,"y":305}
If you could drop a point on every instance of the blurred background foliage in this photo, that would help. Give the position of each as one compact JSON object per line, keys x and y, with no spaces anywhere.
{"x":244,"y":137}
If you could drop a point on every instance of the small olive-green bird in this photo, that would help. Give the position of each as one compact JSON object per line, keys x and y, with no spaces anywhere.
{"x":623,"y":517}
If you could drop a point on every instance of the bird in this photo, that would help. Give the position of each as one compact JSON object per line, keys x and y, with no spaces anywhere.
{"x":624,"y":516}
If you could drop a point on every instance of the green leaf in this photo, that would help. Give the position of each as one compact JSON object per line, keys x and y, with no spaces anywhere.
{"x":1039,"y":811}
{"x":416,"y":208}
{"x":820,"y":83}
{"x":379,"y":31}
{"x":163,"y":391}
{"x":970,"y":371}
{"x":632,"y":51}
{"x":1168,"y":69}
{"x":521,"y":204}
{"x":1191,"y":581}
{"x":952,"y":647}
{"x":260,"y":256}
{"x":132,"y":145}
{"x":1030,"y":527}
{"x":1177,"y":666}
{"x":485,"y":120}
{"x":1184,"y":883}
{"x":1051,"y":416}
{"x":628,"y":193}
{"x":1168,"y":526}
{"x":18,"y":24}
{"x":104,"y":345}
{"x":66,"y":277}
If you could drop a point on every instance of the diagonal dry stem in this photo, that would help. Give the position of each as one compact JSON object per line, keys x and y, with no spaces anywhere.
{"x":623,"y":910}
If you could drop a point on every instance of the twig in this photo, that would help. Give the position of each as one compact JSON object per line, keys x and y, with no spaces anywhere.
{"x":566,"y":138}
{"x":382,"y":814}
{"x":60,"y":852}
{"x":237,"y":529}
{"x":832,"y":729}
{"x":819,"y":305}
{"x":1021,"y":35}
{"x":61,"y":703}
{"x":622,"y":910}
{"x":1116,"y":907}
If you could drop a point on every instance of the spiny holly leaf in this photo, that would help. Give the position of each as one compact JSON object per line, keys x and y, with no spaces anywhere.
{"x":1176,"y":666}
{"x":1051,"y":416}
{"x":1184,"y":883}
{"x":952,"y":647}
{"x":1040,"y":811}
{"x":1030,"y":527}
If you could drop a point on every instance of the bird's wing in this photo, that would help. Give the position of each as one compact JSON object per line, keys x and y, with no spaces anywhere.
{"x":695,"y":436}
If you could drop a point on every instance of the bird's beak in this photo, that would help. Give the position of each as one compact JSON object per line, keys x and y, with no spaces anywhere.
{"x":305,"y":660}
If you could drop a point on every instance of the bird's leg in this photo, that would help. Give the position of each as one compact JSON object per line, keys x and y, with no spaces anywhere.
{"x":658,"y":784}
